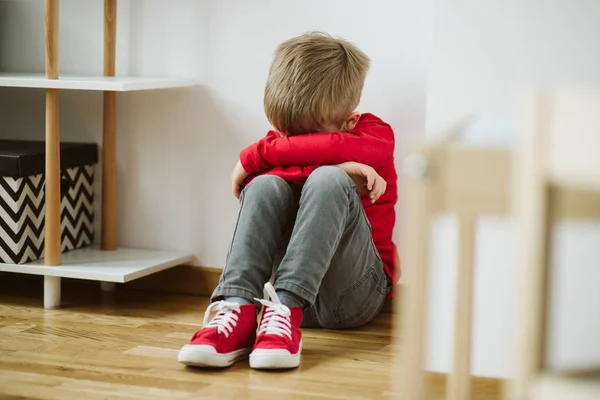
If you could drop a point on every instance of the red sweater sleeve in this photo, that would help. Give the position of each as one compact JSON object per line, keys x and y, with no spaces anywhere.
{"x":371,"y":143}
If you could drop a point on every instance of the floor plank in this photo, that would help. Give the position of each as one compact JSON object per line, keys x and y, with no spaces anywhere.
{"x":125,"y":346}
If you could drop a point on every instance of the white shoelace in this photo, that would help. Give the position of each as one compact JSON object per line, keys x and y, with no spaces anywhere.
{"x":276,"y":318}
{"x":225,"y":320}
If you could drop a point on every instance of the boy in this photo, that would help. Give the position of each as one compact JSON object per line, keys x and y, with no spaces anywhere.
{"x":311,"y":190}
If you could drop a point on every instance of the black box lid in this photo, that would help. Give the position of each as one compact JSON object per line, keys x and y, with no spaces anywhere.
{"x":20,"y":158}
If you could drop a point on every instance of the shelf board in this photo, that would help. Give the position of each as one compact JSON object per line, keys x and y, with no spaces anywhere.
{"x":103,"y":83}
{"x":122,"y":265}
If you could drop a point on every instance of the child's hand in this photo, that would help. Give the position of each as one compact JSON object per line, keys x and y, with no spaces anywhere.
{"x":367,"y":180}
{"x":238,"y":176}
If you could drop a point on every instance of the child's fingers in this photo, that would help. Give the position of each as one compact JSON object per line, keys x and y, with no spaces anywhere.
{"x":370,"y":181}
{"x":374,"y":193}
{"x":378,"y":189}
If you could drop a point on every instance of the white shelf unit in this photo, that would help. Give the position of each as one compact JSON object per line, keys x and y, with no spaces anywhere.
{"x":107,"y":264}
{"x":92,"y":263}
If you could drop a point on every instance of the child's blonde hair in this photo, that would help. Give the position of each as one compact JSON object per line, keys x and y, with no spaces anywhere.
{"x":315,"y":81}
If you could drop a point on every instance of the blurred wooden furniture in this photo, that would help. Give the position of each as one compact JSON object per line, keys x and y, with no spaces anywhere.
{"x":468,"y":182}
{"x":560,"y":151}
{"x":553,"y":173}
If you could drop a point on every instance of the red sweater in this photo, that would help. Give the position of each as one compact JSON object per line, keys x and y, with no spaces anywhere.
{"x":371,"y":142}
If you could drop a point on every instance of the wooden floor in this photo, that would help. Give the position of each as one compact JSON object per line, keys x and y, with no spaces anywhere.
{"x":125,"y":346}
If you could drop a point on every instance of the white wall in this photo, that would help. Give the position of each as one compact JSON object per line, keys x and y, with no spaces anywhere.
{"x":176,"y":148}
{"x":484,"y":53}
{"x":81,"y":24}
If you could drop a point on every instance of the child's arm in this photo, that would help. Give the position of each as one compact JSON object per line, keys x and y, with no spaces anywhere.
{"x":367,"y":180}
{"x":294,"y":174}
{"x":370,"y":144}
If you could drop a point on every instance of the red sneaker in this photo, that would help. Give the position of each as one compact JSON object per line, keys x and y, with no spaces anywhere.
{"x":279,"y":341}
{"x":227,"y":338}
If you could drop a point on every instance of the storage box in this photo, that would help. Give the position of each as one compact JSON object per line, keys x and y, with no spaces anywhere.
{"x":22,"y":193}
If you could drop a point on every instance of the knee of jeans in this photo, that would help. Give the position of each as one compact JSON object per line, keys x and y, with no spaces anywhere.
{"x":267,"y":185}
{"x":328,"y":177}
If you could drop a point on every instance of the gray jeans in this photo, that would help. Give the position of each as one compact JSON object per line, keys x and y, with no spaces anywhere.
{"x":322,"y":251}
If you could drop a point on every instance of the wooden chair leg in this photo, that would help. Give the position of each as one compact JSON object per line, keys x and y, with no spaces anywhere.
{"x":531,"y":292}
{"x":531,"y":202}
{"x":459,"y":384}
{"x":411,"y":356}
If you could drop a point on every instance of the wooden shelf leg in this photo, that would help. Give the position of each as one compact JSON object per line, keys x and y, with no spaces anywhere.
{"x":459,"y":384}
{"x":52,"y":252}
{"x":52,"y":247}
{"x":51,"y":292}
{"x":109,"y":174}
{"x":109,"y":130}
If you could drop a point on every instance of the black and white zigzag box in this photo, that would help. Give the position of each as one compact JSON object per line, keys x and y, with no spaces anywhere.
{"x":22,"y":184}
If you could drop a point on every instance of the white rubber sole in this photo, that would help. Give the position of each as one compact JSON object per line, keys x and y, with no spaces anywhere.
{"x":274,"y":359}
{"x":195,"y":355}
